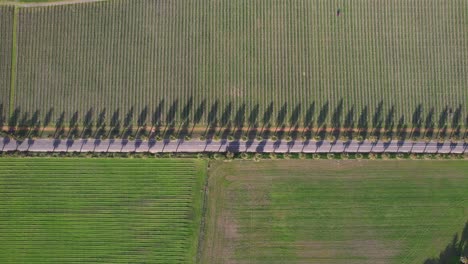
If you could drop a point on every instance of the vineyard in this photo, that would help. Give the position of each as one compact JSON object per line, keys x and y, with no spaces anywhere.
{"x":6,"y":30}
{"x":336,"y":63}
{"x":293,"y":211}
{"x":99,"y":210}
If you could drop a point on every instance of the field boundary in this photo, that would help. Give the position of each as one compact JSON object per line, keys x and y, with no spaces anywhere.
{"x":201,"y":232}
{"x":13,"y":60}
{"x":204,"y":127}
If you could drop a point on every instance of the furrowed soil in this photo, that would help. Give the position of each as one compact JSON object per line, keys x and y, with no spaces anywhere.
{"x":333,"y":211}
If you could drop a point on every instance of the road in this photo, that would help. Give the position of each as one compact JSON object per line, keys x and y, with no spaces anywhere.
{"x":194,"y":146}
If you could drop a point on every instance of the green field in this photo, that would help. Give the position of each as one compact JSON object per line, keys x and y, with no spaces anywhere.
{"x":100,"y":210}
{"x":206,"y":61}
{"x":335,"y":211}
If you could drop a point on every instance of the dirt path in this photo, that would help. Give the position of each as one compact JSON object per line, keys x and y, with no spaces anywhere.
{"x":203,"y":128}
{"x":58,"y":3}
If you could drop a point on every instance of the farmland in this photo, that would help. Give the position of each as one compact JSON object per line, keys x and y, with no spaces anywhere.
{"x":6,"y":30}
{"x":100,"y":210}
{"x":28,"y":1}
{"x":334,"y":211}
{"x":372,"y":65}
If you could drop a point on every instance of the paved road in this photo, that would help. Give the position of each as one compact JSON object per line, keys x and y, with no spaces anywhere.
{"x":193,"y":146}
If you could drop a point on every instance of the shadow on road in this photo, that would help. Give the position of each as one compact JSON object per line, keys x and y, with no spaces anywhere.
{"x":234,"y":147}
{"x":56,"y":143}
{"x":30,"y":143}
{"x":69,"y":143}
{"x":261,"y":146}
{"x":276,"y":145}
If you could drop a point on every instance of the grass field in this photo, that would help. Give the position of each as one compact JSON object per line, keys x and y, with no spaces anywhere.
{"x":100,"y":210}
{"x":205,"y":61}
{"x":334,"y":211}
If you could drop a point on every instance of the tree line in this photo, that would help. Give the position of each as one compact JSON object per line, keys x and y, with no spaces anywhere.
{"x":311,"y":122}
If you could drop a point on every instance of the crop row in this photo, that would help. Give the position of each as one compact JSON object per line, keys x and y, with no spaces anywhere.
{"x":60,"y":211}
{"x":6,"y":30}
{"x":172,"y":61}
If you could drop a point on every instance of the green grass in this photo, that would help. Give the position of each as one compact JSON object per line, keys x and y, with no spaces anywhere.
{"x":208,"y":55}
{"x":100,"y":210}
{"x":334,"y":211}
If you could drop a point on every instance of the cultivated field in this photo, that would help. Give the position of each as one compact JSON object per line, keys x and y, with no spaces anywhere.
{"x":31,"y":1}
{"x":6,"y":32}
{"x":100,"y":210}
{"x":335,"y":211}
{"x":337,"y":62}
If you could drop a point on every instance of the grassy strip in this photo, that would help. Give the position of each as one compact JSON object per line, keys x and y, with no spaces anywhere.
{"x":201,"y":233}
{"x":198,"y":207}
{"x":229,"y":156}
{"x":13,"y":60}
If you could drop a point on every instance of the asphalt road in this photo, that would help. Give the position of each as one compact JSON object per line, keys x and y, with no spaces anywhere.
{"x":193,"y":146}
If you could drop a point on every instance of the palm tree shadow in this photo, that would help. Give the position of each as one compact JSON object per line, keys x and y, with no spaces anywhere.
{"x":456,"y":249}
